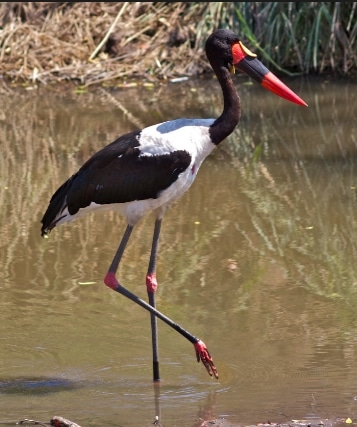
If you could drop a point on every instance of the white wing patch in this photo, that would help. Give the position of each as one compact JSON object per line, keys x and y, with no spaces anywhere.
{"x":191,"y":135}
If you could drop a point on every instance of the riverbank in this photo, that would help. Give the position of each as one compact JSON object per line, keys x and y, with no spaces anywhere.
{"x":116,"y":42}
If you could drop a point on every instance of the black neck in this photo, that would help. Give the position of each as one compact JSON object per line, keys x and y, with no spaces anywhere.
{"x":228,"y":120}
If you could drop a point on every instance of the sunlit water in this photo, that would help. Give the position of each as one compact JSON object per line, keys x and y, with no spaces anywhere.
{"x":258,"y":259}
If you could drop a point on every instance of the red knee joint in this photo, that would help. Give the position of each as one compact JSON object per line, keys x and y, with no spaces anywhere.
{"x":151,"y":283}
{"x":111,"y":281}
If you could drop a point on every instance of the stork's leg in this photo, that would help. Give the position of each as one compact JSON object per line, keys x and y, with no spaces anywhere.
{"x":116,"y":260}
{"x":111,"y":281}
{"x":151,"y":285}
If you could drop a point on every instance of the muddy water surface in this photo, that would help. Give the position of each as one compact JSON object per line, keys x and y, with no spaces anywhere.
{"x":258,"y":259}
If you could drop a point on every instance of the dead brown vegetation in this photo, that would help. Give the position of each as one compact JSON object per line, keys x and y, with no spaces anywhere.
{"x":112,"y":42}
{"x":99,"y":42}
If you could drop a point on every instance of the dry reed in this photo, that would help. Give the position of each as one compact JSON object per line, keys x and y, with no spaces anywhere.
{"x":111,"y":42}
{"x":98,"y":42}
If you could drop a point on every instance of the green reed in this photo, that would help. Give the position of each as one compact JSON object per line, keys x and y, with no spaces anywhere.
{"x":294,"y":37}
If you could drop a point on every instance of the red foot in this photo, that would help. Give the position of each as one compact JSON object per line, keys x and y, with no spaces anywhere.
{"x":203,"y":354}
{"x":151,"y":283}
{"x":111,"y":281}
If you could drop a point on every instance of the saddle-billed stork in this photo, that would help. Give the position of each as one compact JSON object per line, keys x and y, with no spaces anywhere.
{"x":146,"y":170}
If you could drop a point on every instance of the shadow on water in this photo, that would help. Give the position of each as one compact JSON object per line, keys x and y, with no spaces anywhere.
{"x":35,"y":385}
{"x":257,"y":259}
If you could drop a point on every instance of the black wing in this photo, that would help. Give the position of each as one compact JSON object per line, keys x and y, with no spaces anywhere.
{"x":118,"y":173}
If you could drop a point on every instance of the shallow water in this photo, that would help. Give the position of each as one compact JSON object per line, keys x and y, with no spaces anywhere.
{"x":257,"y":259}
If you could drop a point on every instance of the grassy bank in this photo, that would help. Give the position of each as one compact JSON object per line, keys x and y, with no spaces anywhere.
{"x":92,"y":43}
